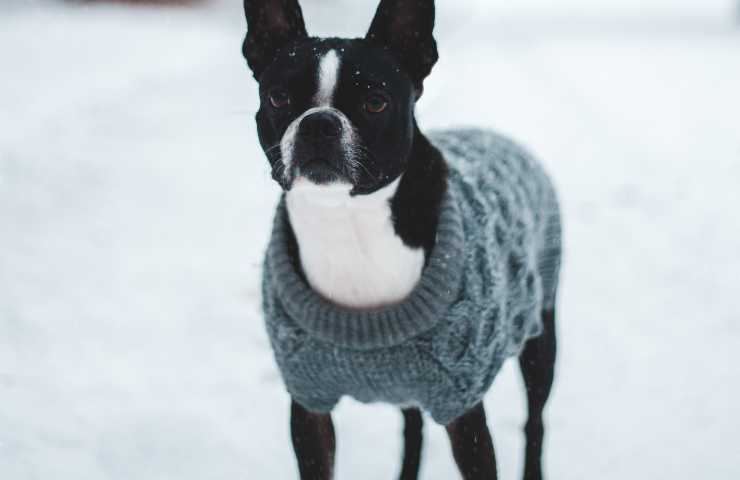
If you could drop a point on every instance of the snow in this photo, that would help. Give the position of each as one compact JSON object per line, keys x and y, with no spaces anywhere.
{"x":135,"y":205}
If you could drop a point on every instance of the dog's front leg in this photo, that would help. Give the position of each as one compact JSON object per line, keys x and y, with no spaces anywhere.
{"x":412,"y":440}
{"x":313,"y":442}
{"x":472,"y":446}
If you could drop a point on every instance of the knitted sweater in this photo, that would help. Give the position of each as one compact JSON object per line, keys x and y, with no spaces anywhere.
{"x":492,"y":270}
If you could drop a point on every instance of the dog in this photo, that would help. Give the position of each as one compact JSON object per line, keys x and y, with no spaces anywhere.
{"x":402,"y":268}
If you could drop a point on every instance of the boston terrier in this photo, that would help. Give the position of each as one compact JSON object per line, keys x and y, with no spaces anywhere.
{"x":367,"y":202}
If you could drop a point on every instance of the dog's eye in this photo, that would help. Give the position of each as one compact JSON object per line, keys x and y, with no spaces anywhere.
{"x":279,"y":98}
{"x":375,"y":104}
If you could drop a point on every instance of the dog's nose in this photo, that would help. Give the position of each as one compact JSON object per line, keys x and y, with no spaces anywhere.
{"x":321,"y":125}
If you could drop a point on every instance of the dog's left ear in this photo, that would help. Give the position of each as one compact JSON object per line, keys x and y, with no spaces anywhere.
{"x":405,"y":27}
{"x":271,"y":24}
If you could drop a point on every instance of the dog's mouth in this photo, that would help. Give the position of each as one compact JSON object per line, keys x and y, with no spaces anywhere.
{"x":320,"y":170}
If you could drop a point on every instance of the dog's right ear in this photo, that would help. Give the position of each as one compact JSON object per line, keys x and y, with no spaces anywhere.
{"x":271,"y":24}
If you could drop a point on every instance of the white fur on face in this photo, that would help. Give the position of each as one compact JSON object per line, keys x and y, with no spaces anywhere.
{"x":287,"y":143}
{"x":348,"y":246}
{"x":327,"y":75}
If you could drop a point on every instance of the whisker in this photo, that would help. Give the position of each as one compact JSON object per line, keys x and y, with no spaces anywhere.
{"x":272,"y":149}
{"x":358,"y":153}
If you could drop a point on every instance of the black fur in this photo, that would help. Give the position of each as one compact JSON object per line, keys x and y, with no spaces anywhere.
{"x":314,"y":443}
{"x":271,"y":25}
{"x":537,"y":363}
{"x":405,"y":27}
{"x":413,"y":424}
{"x":472,"y":445}
{"x":416,"y":205}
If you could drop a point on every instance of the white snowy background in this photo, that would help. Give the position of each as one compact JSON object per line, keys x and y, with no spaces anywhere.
{"x":135,"y":204}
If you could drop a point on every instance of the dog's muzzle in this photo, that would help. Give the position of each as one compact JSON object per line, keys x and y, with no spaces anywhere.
{"x":321,"y":148}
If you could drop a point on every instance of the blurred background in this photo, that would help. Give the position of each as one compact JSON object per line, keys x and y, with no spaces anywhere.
{"x":135,"y":205}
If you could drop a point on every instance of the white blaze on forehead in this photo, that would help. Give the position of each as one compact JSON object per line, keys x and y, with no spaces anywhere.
{"x":328,"y":77}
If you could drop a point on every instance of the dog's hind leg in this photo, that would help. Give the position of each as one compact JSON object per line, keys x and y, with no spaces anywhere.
{"x":472,"y":445}
{"x":537,"y":363}
{"x":412,"y":440}
{"x":314,"y":443}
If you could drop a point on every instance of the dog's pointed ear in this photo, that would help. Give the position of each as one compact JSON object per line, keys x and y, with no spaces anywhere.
{"x":271,"y":24}
{"x":405,"y":27}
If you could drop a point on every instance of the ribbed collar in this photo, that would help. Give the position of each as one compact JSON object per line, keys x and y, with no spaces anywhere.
{"x":382,"y":327}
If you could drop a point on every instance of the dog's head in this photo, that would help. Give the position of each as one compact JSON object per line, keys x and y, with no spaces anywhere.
{"x":339,"y":110}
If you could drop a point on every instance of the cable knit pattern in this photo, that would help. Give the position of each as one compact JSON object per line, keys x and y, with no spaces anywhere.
{"x":493,"y":269}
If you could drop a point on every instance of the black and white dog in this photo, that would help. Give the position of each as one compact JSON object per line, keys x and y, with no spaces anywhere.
{"x":363,"y":192}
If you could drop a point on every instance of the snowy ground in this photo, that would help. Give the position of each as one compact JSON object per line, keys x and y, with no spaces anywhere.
{"x":134,"y":207}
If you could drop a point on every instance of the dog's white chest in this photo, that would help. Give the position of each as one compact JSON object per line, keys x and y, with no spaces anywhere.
{"x":348,"y":248}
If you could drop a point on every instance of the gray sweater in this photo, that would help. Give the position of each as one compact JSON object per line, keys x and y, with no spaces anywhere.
{"x":494,"y":267}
